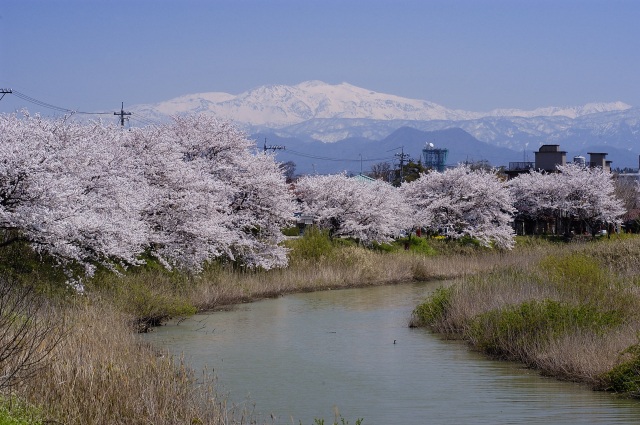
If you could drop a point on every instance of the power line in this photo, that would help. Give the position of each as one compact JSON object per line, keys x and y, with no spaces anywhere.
{"x":273,"y":148}
{"x":144,"y":120}
{"x":35,"y":101}
{"x":122,"y":113}
{"x":326,"y":158}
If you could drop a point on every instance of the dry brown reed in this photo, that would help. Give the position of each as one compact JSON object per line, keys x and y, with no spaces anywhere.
{"x":103,"y":374}
{"x":592,"y":285}
{"x":348,"y":268}
{"x":584,"y":355}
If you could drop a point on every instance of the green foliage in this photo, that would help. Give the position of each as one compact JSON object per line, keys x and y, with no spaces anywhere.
{"x":313,"y":245}
{"x":19,"y":262}
{"x":575,"y":269}
{"x":150,"y":295}
{"x":416,"y":245}
{"x":14,"y":411}
{"x":291,"y":231}
{"x":513,"y":329}
{"x":625,"y":377}
{"x":463,"y":246}
{"x":582,"y":276}
{"x":434,"y":309}
{"x":384,"y":247}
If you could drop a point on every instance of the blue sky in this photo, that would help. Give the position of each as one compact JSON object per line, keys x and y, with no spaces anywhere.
{"x":464,"y":54}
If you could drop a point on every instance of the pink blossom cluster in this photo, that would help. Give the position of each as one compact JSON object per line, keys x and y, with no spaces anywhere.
{"x":187,"y":193}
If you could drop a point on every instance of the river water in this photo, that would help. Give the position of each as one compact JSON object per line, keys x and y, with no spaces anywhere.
{"x":306,"y":356}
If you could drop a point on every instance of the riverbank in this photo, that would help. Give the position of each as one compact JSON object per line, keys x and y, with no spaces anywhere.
{"x":572,"y":314}
{"x":152,"y":295}
{"x":102,"y":374}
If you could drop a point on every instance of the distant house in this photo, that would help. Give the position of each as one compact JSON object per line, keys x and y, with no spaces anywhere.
{"x":363,"y":178}
{"x":548,"y":157}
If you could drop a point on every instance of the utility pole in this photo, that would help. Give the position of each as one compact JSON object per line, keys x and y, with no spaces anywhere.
{"x":272,"y":147}
{"x":5,"y":91}
{"x":402,"y":157}
{"x":122,"y":114}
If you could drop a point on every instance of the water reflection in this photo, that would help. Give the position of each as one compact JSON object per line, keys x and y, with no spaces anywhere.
{"x":300,"y":356}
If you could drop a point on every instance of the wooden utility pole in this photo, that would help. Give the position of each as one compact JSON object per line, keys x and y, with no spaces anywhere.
{"x":122,"y":114}
{"x":402,"y":157}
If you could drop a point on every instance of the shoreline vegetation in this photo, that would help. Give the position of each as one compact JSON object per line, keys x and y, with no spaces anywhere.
{"x":573,"y":314}
{"x":568,"y":309}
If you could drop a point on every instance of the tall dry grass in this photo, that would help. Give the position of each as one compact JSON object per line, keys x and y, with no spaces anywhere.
{"x":103,"y":374}
{"x":353,"y":266}
{"x":573,"y":313}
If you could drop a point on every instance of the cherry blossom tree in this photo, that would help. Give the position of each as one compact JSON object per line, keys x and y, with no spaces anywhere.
{"x":370,"y":211}
{"x":583,"y":194}
{"x":589,"y":195}
{"x":187,"y":192}
{"x":537,"y":196}
{"x":70,"y":190}
{"x":211,"y":196}
{"x":461,"y":202}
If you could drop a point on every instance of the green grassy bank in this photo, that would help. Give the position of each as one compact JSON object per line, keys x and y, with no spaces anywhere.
{"x":573,"y":314}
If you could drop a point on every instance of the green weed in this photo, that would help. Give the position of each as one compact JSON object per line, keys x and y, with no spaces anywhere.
{"x":14,"y":411}
{"x":434,"y":309}
{"x":514,"y":330}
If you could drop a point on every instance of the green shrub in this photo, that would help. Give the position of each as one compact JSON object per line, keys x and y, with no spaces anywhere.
{"x":384,"y":247}
{"x":513,"y":330}
{"x":625,"y":377}
{"x":150,"y":296}
{"x":434,"y":309}
{"x":313,"y":245}
{"x":582,"y":277}
{"x":416,"y":245}
{"x":291,"y":231}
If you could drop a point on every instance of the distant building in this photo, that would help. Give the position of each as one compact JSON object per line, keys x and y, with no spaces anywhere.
{"x":599,"y":159}
{"x":363,"y":178}
{"x":434,"y":158}
{"x":580,"y":160}
{"x":549,"y":157}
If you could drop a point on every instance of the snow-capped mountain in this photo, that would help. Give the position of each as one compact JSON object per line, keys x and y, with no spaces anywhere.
{"x":278,"y":106}
{"x":316,"y":111}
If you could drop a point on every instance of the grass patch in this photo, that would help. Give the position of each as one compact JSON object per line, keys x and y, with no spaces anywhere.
{"x":514,"y":331}
{"x":148,"y":294}
{"x":14,"y":411}
{"x":434,"y":309}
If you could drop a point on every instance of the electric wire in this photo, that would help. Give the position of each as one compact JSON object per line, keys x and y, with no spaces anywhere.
{"x":152,"y":122}
{"x":35,"y":101}
{"x":27,"y":98}
{"x":145,"y":121}
{"x":326,"y":158}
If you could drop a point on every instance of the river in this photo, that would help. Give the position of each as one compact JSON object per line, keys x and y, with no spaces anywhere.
{"x":306,"y":356}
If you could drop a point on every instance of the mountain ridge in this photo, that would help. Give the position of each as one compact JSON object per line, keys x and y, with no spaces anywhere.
{"x":315,"y":111}
{"x":278,"y":105}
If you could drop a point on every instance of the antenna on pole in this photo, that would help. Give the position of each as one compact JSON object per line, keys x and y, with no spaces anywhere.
{"x":5,"y":91}
{"x":122,"y":114}
{"x":272,"y":147}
